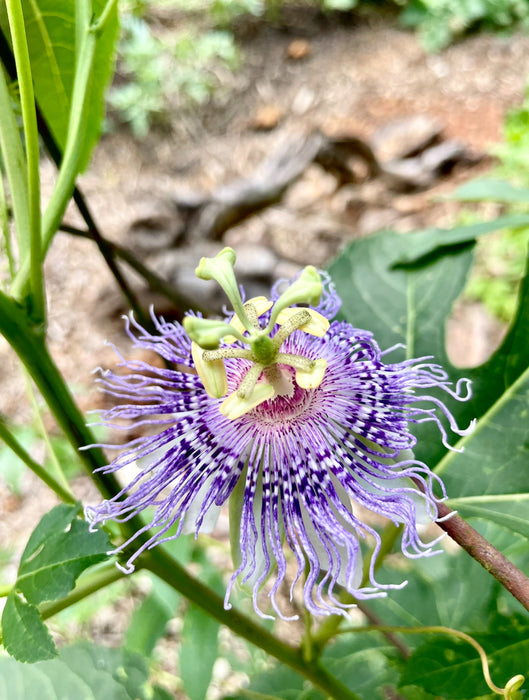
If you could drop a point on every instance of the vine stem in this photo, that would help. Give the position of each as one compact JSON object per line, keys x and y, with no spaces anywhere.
{"x":63,"y":492}
{"x":158,"y":562}
{"x":485,"y":553}
{"x":73,"y":150}
{"x":111,"y":250}
{"x":30,"y":347}
{"x":513,"y":684}
{"x":31,"y":135}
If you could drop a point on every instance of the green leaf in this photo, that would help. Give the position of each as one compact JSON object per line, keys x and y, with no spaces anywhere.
{"x":363,"y":662}
{"x":407,"y":306}
{"x":410,"y":305}
{"x":448,"y":589}
{"x":451,"y":667}
{"x":279,"y":682}
{"x":58,"y":550}
{"x":490,"y":190}
{"x":109,"y":673}
{"x":421,"y":244}
{"x":198,"y":652}
{"x":82,"y":671}
{"x":25,"y":635}
{"x":507,"y":510}
{"x":51,"y":37}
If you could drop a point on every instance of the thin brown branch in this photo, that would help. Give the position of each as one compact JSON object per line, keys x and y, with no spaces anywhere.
{"x":154,"y":281}
{"x":486,"y":554}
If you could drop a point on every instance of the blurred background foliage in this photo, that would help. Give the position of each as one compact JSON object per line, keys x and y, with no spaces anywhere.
{"x":202,"y":40}
{"x":176,"y":54}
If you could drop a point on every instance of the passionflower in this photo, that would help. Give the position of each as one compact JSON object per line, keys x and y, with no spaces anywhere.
{"x":294,"y":419}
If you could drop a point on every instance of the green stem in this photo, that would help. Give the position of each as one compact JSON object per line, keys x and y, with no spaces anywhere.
{"x":111,"y":250}
{"x":5,"y":591}
{"x":165,"y":567}
{"x":31,"y":349}
{"x":61,"y":478}
{"x":329,"y":627}
{"x":99,"y":25}
{"x":31,"y":133}
{"x":15,"y":167}
{"x":4,"y":226}
{"x":73,"y":151}
{"x":63,"y":492}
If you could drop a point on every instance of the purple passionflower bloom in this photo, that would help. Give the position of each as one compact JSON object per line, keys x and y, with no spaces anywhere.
{"x":323,"y":428}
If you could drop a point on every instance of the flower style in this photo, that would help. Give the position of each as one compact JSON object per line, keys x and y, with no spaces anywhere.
{"x":293,"y":418}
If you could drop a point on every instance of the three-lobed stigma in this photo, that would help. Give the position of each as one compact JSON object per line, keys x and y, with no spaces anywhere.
{"x":269,"y":374}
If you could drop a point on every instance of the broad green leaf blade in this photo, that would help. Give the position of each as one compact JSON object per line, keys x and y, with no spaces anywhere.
{"x":113,"y":674}
{"x":490,"y":190}
{"x":198,"y":652}
{"x":21,"y":681}
{"x":364,"y":663}
{"x":26,"y":637}
{"x":407,"y":306}
{"x":410,"y":305}
{"x":508,"y":510}
{"x":422,"y":244}
{"x":83,"y":671}
{"x":56,"y":520}
{"x":451,"y":667}
{"x":59,"y":549}
{"x":446,"y":589}
{"x":494,"y":466}
{"x":51,"y":36}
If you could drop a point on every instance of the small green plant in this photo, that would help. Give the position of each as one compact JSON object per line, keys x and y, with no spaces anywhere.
{"x":513,"y":151}
{"x":157,"y":74}
{"x":496,"y":277}
{"x":441,"y":21}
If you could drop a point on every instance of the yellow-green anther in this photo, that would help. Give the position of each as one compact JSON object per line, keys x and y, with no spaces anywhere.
{"x":313,"y":378}
{"x":316,"y":324}
{"x":220,"y":269}
{"x":226,"y":353}
{"x":208,"y":332}
{"x":247,"y":385}
{"x":306,"y":289}
{"x":212,"y":373}
{"x":235,"y":407}
{"x":298,"y":319}
{"x":296,"y":361}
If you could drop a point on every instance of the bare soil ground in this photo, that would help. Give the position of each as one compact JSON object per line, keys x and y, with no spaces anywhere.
{"x":354,"y":78}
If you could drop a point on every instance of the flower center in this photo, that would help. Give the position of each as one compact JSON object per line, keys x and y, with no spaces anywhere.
{"x":267,"y":377}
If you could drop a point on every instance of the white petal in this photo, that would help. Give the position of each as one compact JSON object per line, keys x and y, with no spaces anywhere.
{"x":211,"y":516}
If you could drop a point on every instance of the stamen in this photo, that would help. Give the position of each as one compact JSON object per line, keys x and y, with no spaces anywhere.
{"x":249,"y":381}
{"x":317,"y":324}
{"x":298,"y":319}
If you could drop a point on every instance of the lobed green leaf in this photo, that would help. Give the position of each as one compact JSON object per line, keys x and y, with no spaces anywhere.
{"x":25,"y":636}
{"x":59,"y":549}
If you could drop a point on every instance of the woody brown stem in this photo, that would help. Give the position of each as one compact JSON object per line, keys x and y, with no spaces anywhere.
{"x":483,"y":552}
